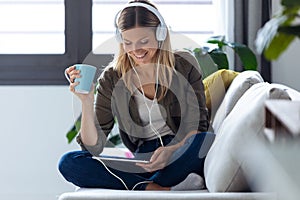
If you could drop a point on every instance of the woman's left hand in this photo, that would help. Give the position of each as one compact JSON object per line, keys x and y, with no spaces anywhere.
{"x":159,"y":159}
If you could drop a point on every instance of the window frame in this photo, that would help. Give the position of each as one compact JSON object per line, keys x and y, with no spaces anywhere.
{"x":47,"y":69}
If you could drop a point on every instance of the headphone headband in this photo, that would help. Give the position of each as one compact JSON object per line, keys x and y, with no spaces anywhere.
{"x":161,"y":30}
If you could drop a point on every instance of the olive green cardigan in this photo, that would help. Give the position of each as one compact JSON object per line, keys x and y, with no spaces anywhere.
{"x":183,"y":107}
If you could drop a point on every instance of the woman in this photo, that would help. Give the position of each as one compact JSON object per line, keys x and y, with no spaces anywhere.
{"x":157,"y":97}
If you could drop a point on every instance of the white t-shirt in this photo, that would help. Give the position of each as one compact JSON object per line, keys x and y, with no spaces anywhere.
{"x":157,"y":118}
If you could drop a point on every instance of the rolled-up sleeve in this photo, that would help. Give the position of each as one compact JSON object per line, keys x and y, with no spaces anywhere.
{"x":103,"y":116}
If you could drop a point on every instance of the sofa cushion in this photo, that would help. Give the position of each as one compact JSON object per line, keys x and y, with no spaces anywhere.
{"x":237,"y":88}
{"x":215,"y":86}
{"x":294,"y":94}
{"x":223,"y":171}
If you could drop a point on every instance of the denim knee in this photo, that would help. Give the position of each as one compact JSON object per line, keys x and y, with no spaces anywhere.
{"x":63,"y":163}
{"x":68,"y":163}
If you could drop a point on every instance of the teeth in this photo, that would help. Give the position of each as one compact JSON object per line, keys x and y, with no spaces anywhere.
{"x":140,"y":56}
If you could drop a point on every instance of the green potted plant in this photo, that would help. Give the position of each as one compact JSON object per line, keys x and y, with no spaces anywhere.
{"x":280,"y":31}
{"x":72,"y":133}
{"x":114,"y":138}
{"x":212,"y":59}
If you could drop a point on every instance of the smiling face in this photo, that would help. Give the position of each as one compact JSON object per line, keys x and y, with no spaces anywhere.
{"x":140,"y":44}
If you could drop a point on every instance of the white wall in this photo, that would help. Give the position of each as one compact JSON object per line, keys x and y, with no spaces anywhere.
{"x":286,"y":69}
{"x":34,"y":121}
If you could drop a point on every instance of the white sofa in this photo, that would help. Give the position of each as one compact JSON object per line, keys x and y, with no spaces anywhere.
{"x":104,"y":194}
{"x":230,"y":170}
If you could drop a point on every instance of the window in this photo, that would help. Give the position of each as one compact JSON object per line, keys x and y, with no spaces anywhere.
{"x":191,"y":19}
{"x":32,"y":27}
{"x":194,"y":20}
{"x":40,"y":38}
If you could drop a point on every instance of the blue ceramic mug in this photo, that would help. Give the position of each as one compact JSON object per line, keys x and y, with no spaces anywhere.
{"x":87,"y":73}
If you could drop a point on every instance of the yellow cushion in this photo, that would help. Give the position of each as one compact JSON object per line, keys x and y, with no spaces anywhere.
{"x":215,"y":86}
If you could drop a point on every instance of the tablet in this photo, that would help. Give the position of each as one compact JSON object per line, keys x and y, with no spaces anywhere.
{"x":119,"y":159}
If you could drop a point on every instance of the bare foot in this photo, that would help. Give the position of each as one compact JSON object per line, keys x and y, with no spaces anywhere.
{"x":154,"y":186}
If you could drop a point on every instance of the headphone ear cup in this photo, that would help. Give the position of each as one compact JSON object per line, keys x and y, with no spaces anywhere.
{"x":161,"y":33}
{"x":118,"y":36}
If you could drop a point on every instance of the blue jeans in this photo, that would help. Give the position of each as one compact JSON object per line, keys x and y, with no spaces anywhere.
{"x":79,"y":168}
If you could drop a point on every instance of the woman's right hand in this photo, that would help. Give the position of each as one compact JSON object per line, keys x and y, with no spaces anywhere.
{"x":73,"y":74}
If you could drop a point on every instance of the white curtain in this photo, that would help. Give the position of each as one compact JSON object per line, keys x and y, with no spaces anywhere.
{"x":225,"y":15}
{"x":241,"y":20}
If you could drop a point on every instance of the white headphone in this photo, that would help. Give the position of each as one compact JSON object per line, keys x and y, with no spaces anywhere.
{"x":161,"y":29}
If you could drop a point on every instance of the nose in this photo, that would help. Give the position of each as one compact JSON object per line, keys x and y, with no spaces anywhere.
{"x":137,"y":46}
{"x":133,"y":47}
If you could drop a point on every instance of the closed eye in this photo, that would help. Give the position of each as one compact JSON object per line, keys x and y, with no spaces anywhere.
{"x":144,"y":41}
{"x":127,"y":42}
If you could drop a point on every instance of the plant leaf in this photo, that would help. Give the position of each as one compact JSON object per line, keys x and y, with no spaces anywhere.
{"x":206,"y":63}
{"x":266,"y":34}
{"x":293,"y":30}
{"x":71,"y":135}
{"x":219,"y":58}
{"x":290,"y":3}
{"x":78,"y":123}
{"x":278,"y":45}
{"x":74,"y":130}
{"x":219,"y":40}
{"x":116,"y":139}
{"x":216,"y":39}
{"x":245,"y":54}
{"x":277,"y":34}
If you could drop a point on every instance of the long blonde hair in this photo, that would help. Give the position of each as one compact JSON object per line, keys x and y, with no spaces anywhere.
{"x":133,"y":17}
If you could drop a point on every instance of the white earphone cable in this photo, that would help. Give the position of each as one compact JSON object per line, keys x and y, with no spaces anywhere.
{"x":150,"y":123}
{"x":104,"y":165}
{"x":153,"y":100}
{"x":97,"y":158}
{"x":73,"y":103}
